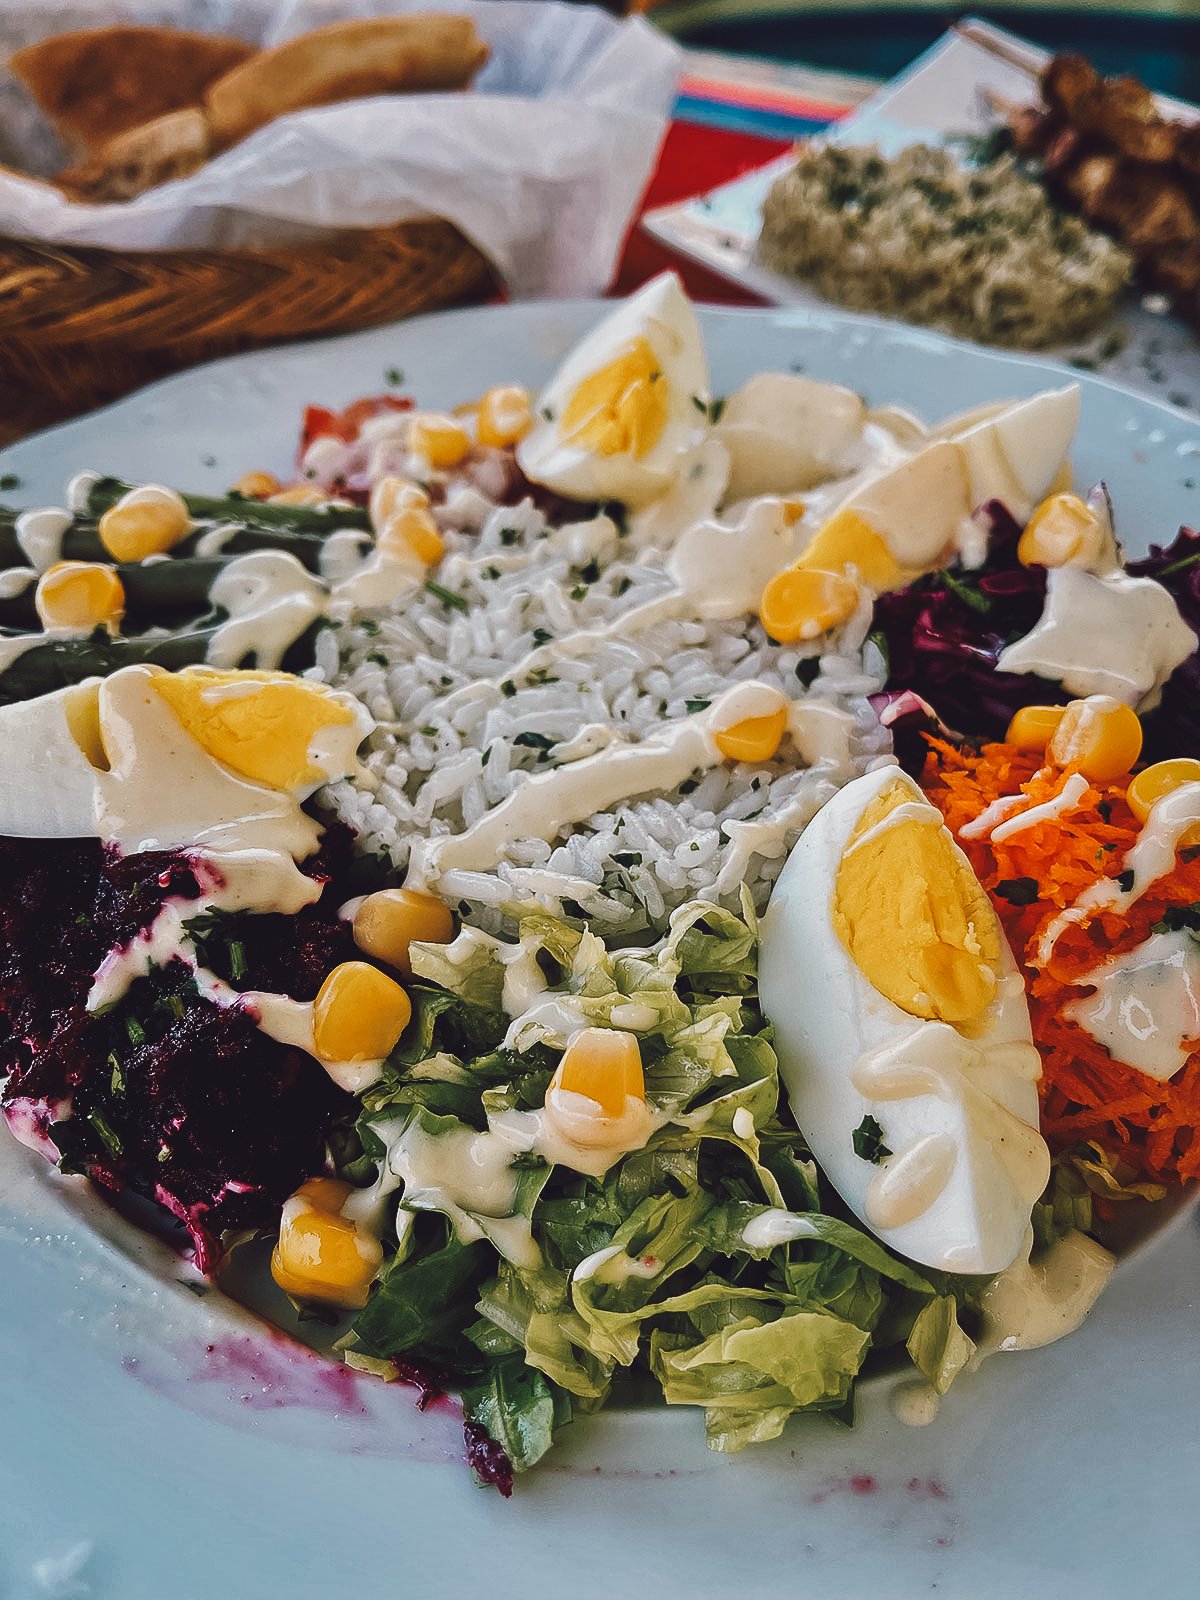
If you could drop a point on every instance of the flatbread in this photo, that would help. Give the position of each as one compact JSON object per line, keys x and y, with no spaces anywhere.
{"x":345,"y":61}
{"x":100,"y":82}
{"x":171,"y":146}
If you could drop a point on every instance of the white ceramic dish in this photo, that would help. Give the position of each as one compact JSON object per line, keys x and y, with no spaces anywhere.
{"x":940,"y":97}
{"x":160,"y":1445}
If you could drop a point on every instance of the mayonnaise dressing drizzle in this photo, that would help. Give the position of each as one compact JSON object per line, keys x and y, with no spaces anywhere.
{"x":547,"y":802}
{"x":1146,"y":1007}
{"x":1151,"y":858}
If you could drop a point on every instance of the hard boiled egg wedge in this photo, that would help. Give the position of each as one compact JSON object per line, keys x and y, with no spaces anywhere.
{"x":619,"y":419}
{"x":916,"y":515}
{"x":52,"y":750}
{"x":903,"y":1031}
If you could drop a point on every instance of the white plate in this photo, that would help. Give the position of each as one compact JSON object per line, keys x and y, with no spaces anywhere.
{"x":939,"y":96}
{"x":170,"y":1448}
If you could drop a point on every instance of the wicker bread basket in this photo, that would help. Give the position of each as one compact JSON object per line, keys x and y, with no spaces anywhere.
{"x":80,"y":327}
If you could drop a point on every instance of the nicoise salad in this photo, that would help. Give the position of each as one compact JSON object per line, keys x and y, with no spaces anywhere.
{"x":620,"y":886}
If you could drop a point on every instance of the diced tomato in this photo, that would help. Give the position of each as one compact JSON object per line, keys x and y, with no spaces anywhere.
{"x":320,"y":422}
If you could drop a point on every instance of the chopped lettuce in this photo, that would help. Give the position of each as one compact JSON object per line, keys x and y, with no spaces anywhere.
{"x":663,"y":1266}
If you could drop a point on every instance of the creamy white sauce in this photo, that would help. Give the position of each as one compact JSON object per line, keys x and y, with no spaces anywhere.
{"x":612,"y":1265}
{"x":981,"y":826}
{"x":547,"y":802}
{"x":915,"y":1403}
{"x":1068,"y":799}
{"x":1032,"y":1304}
{"x":694,"y":496}
{"x":1146,"y":1007}
{"x":15,"y":580}
{"x":40,"y":535}
{"x":909,"y":1182}
{"x":290,"y":1022}
{"x":271,"y":599}
{"x":1151,"y":858}
{"x":1104,"y":634}
{"x":722,"y":569}
{"x":469,"y":1177}
{"x":213,"y":541}
{"x":79,"y":489}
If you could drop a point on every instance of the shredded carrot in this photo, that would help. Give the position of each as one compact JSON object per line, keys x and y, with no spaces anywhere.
{"x":1085,"y":1093}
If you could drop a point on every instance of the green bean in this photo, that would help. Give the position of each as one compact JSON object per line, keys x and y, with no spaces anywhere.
{"x":235,"y":508}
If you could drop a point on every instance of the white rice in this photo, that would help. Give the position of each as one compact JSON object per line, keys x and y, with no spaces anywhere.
{"x":440,"y":681}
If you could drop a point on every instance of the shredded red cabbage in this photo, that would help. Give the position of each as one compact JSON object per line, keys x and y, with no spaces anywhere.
{"x":944,"y":634}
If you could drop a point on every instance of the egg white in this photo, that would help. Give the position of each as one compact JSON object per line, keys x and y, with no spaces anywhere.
{"x":831,"y":1023}
{"x":661,"y":314}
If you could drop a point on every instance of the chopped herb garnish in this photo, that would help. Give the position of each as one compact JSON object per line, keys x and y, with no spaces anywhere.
{"x":579,"y":592}
{"x":508,"y":688}
{"x":696,"y":705}
{"x":688,"y":785}
{"x":491,"y":572}
{"x":808,"y":670}
{"x":541,"y":636}
{"x":534,"y":741}
{"x":509,"y":536}
{"x":377,"y":658}
{"x":1176,"y":917}
{"x":624,"y":586}
{"x":394,"y":377}
{"x":716,"y":408}
{"x":868,"y":1143}
{"x":447,"y":596}
{"x":546,"y":413}
{"x":237,"y":960}
{"x":487,"y":756}
{"x":369,"y":626}
{"x":137,"y":1034}
{"x":117,"y":1079}
{"x":107,"y":1132}
{"x":9,"y":480}
{"x":1104,"y":807}
{"x":700,"y":404}
{"x":1018,"y":891}
{"x":879,"y":640}
{"x":1124,"y":880}
{"x":430,"y":732}
{"x":964,"y":592}
{"x":627,"y":858}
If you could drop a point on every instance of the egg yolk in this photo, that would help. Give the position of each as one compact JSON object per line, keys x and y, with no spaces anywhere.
{"x":913,"y":915}
{"x":260,"y":724}
{"x":622,"y":408}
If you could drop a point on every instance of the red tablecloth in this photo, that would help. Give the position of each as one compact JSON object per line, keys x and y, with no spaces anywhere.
{"x":693,"y":158}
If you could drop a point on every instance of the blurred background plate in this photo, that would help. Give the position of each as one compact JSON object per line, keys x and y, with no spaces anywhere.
{"x":936,"y":99}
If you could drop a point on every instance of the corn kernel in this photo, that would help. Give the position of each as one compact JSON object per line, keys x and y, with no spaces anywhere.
{"x":388,"y":922}
{"x":145,"y":522}
{"x":80,"y":594}
{"x":793,"y":510}
{"x":441,"y":440}
{"x":505,"y":416}
{"x":1062,"y":530}
{"x":803,"y":603}
{"x":321,"y":1255}
{"x":359,"y":1014}
{"x":1033,"y":727}
{"x":754,"y":738}
{"x":603,"y":1065}
{"x":300,"y":494}
{"x":1163,"y":778}
{"x":391,"y":494}
{"x":413,"y":532}
{"x":1101,"y":736}
{"x":849,"y":540}
{"x":257,"y":485}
